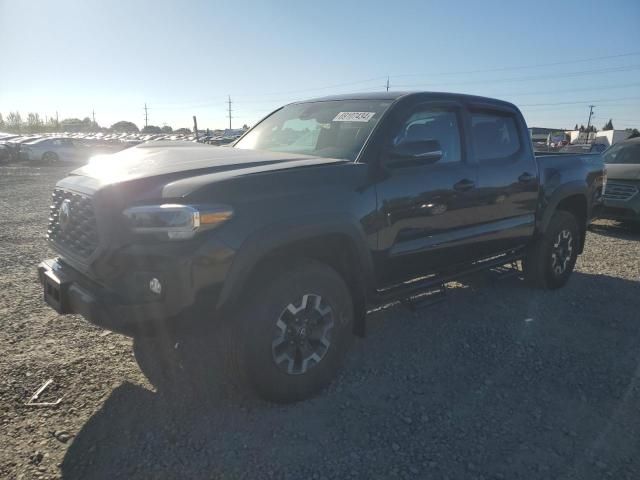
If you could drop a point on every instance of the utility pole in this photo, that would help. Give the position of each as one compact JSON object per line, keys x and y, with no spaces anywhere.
{"x":387,"y":83}
{"x":591,"y":107}
{"x":57,"y":124}
{"x":93,"y":115}
{"x":146,"y":115}
{"x":229,"y":102}
{"x":195,"y":127}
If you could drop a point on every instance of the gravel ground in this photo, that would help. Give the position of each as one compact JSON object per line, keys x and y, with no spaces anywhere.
{"x":497,"y":381}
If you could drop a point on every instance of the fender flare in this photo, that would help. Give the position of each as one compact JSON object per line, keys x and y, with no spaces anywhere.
{"x":558,"y":195}
{"x":266,"y":240}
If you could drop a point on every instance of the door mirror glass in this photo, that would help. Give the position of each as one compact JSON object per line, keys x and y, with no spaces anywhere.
{"x":425,"y":151}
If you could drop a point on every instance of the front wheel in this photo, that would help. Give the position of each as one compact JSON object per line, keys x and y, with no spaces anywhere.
{"x":293,"y":332}
{"x":551,"y":259}
{"x":50,"y":157}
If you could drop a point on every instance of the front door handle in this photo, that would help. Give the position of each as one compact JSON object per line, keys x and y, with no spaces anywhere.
{"x":526,"y":177}
{"x":464,"y":185}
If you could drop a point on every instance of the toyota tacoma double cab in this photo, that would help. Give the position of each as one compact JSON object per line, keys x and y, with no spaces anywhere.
{"x":271,"y":251}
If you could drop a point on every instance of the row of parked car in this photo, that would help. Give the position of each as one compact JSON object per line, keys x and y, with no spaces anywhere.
{"x":78,"y":147}
{"x":51,"y":149}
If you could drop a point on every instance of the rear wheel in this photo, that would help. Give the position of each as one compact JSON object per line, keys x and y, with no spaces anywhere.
{"x":551,"y":259}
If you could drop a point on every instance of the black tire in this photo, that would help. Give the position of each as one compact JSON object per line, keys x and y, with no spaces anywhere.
{"x":50,"y":157}
{"x":551,"y":259}
{"x":178,"y":366}
{"x":262,"y":354}
{"x":158,"y":359}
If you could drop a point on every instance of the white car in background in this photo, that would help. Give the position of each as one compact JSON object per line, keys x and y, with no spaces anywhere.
{"x":52,"y":150}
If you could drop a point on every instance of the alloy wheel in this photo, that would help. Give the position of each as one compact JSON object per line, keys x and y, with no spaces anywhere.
{"x":561,"y":252}
{"x":302,"y":335}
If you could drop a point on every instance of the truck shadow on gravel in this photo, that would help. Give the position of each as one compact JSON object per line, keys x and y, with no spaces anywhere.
{"x":622,"y":231}
{"x":498,"y":381}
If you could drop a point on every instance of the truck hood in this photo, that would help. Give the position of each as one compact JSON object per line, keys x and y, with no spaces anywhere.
{"x":621,"y":171}
{"x":181,"y":159}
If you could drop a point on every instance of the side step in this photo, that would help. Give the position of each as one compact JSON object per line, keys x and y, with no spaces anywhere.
{"x":506,"y":271}
{"x":426,"y":299}
{"x":435,"y":283}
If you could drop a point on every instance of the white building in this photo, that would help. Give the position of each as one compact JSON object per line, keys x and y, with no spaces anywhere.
{"x":609,"y":137}
{"x":604,"y":137}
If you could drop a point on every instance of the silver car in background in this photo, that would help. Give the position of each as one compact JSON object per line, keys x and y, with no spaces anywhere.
{"x":52,"y":150}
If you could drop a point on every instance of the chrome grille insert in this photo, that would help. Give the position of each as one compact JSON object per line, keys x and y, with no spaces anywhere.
{"x":619,"y":191}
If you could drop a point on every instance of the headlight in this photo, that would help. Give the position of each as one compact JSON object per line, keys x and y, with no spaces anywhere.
{"x":176,"y":222}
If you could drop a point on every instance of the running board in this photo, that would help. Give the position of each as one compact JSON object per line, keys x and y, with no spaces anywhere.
{"x":506,"y":271}
{"x":426,"y":299}
{"x":413,"y":288}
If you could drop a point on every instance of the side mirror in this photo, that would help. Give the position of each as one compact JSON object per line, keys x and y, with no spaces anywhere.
{"x":426,"y":151}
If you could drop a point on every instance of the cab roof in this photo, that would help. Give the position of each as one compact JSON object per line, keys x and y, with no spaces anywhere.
{"x":460,"y":97}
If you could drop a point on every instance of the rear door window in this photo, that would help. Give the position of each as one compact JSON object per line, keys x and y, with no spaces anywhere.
{"x":494,"y":136}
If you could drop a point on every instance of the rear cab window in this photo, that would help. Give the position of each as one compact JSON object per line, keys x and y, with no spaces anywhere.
{"x":494,"y":135}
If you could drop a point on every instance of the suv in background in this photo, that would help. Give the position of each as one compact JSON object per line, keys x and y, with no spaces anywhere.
{"x":622,"y":190}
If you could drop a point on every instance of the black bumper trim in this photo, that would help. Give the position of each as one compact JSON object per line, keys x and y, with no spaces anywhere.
{"x":102,"y":307}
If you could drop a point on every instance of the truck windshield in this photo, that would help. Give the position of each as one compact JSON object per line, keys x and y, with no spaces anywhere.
{"x":332,"y":129}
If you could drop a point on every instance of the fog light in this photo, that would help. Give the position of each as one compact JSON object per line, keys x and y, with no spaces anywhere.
{"x":155,"y":286}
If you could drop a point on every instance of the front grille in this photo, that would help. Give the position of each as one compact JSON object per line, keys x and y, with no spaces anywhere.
{"x":76,"y":233}
{"x":619,"y":191}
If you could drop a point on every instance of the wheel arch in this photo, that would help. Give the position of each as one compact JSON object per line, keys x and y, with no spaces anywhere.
{"x":571,"y":198}
{"x":49,"y":152}
{"x":342,"y":246}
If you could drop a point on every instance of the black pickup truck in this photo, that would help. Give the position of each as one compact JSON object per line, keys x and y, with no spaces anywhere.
{"x":273,"y":249}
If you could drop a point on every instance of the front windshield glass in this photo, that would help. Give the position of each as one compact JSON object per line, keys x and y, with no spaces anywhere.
{"x":332,"y":129}
{"x":623,"y":153}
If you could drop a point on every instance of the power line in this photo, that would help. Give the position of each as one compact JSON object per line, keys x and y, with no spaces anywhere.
{"x":577,"y":102}
{"x":571,"y":90}
{"x":521,"y":67}
{"x":388,"y":85}
{"x":569,"y":108}
{"x":502,"y":94}
{"x":338,"y":85}
{"x":525,"y":79}
{"x":431,"y":74}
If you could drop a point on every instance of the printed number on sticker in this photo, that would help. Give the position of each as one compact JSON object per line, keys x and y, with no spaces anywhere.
{"x":354,"y":116}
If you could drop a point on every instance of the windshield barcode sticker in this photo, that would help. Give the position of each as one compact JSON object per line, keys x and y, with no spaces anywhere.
{"x":354,"y":116}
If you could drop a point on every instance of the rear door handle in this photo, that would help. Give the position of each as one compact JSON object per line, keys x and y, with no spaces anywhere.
{"x":526,"y":177}
{"x":464,"y":185}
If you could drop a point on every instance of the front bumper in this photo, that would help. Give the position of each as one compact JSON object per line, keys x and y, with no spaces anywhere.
{"x":623,"y":210}
{"x":68,"y":291}
{"x":618,"y":213}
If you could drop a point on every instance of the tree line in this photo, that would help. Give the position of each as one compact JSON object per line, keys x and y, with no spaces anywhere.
{"x":34,"y":123}
{"x":591,"y":128}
